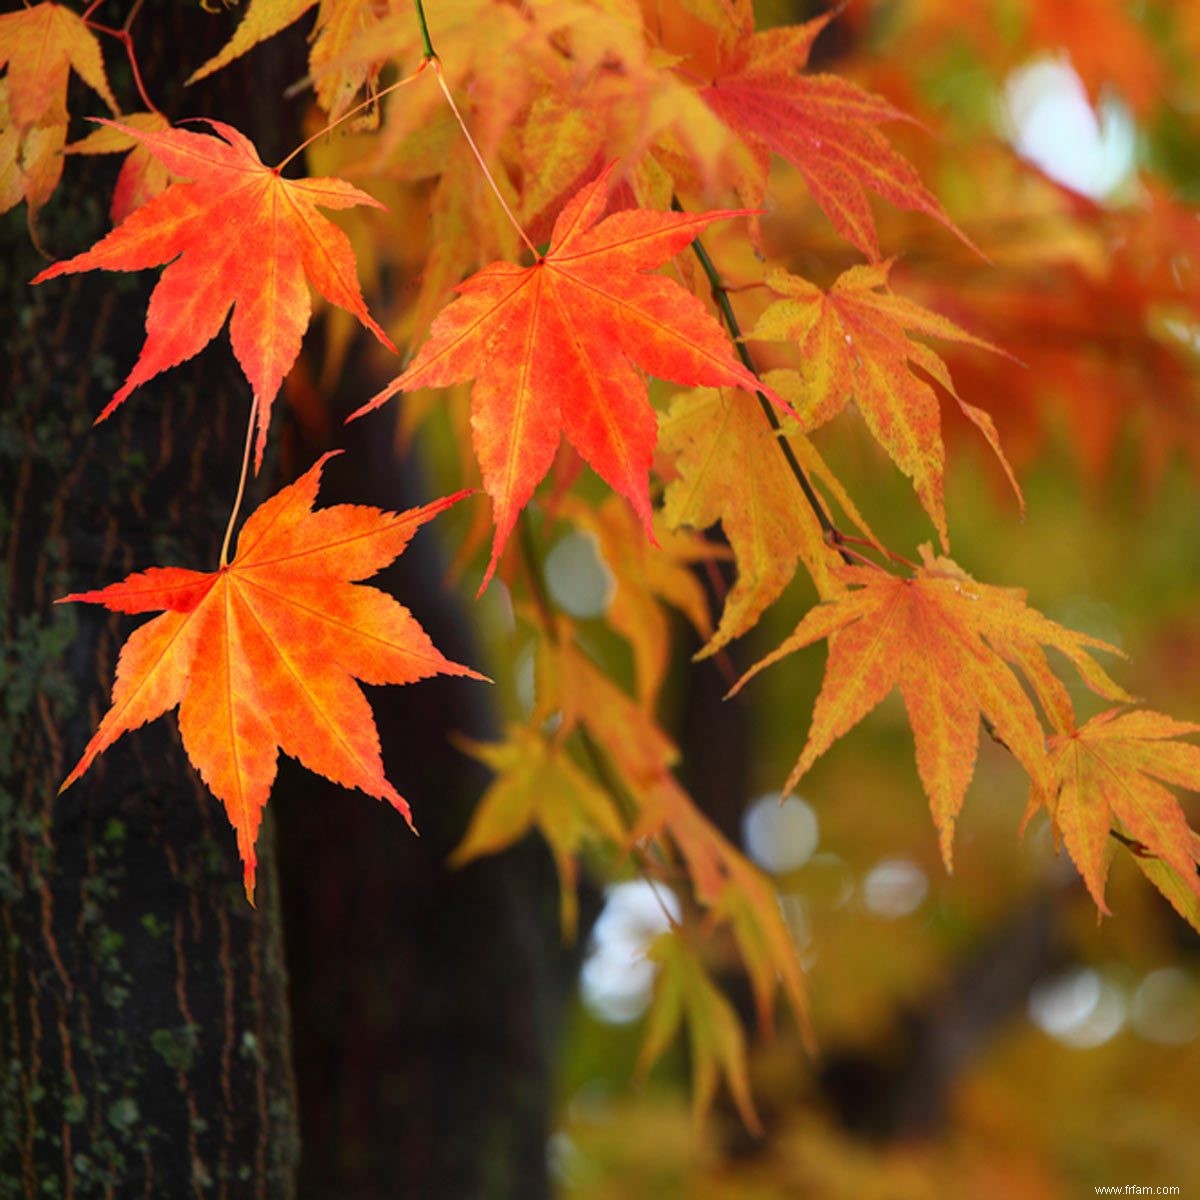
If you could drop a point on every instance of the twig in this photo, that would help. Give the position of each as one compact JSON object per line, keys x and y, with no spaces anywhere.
{"x":126,"y":39}
{"x":429,"y":51}
{"x":833,"y":535}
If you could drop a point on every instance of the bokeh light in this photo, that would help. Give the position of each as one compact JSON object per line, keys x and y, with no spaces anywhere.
{"x":1054,"y":126}
{"x":780,"y":837}
{"x":617,"y":977}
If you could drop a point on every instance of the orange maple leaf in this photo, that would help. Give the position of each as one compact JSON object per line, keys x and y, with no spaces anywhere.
{"x":856,"y":343}
{"x":730,"y":469}
{"x":537,"y":784}
{"x":642,"y":580}
{"x":946,"y":641}
{"x":822,"y":124}
{"x":572,"y":689}
{"x":1107,"y":776}
{"x":40,"y":45}
{"x":552,"y":349}
{"x":237,"y":235}
{"x":262,"y":654}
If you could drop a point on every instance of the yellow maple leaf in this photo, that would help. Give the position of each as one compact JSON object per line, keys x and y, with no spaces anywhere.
{"x":731,"y":469}
{"x":538,"y":786}
{"x":684,"y":992}
{"x":41,"y":45}
{"x":734,"y":891}
{"x":855,"y":342}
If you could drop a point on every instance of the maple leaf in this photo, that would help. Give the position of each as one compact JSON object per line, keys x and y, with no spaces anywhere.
{"x":947,"y":642}
{"x":262,"y":19}
{"x":262,"y":654}
{"x":569,"y":685}
{"x":1084,"y":303}
{"x":684,"y":992}
{"x":730,"y":469}
{"x":31,"y":161}
{"x":856,"y":343}
{"x":822,"y":124}
{"x":40,"y":45}
{"x":1108,"y":774}
{"x":237,"y":235}
{"x":736,"y":891}
{"x":538,"y":785}
{"x":142,"y":176}
{"x":1179,"y":890}
{"x":572,"y":688}
{"x":642,"y":576}
{"x":336,"y":82}
{"x":552,"y":349}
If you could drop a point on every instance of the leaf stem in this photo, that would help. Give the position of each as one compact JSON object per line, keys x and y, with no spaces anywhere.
{"x":241,"y":490}
{"x":437,"y":68}
{"x":716,"y":284}
{"x":847,"y":539}
{"x":304,"y":145}
{"x":431,"y":59}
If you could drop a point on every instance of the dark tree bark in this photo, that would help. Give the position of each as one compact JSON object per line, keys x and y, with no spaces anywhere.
{"x":426,"y":1001}
{"x":145,"y":1026}
{"x":144,"y":1040}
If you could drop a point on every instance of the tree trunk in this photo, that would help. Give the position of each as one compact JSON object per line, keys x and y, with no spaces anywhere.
{"x":144,"y":1040}
{"x":426,"y":1000}
{"x":145,"y":1027}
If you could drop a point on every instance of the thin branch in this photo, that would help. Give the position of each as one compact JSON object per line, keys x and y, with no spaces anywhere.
{"x":126,"y":39}
{"x":429,"y":51}
{"x":717,"y":285}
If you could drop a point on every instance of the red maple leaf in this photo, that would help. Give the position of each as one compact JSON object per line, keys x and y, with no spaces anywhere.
{"x":822,"y":124}
{"x":237,"y":235}
{"x":553,"y":347}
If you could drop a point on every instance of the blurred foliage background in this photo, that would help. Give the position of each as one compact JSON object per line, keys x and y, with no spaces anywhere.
{"x":980,"y":1034}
